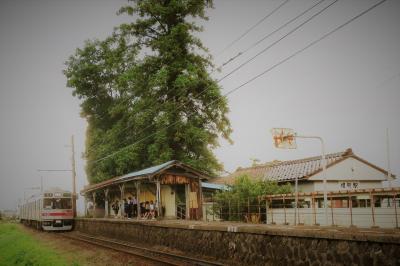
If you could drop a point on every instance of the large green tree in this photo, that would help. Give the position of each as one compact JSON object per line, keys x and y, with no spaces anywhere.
{"x":146,"y":92}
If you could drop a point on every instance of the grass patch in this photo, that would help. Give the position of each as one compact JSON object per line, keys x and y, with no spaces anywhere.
{"x":19,"y":248}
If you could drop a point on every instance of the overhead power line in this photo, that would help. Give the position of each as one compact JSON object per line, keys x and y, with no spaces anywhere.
{"x":270,"y":34}
{"x":259,"y":75}
{"x":277,"y":41}
{"x":387,"y":80}
{"x":307,"y":46}
{"x":252,"y":27}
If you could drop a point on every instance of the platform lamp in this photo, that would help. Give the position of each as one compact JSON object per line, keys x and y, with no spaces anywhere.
{"x":285,"y":138}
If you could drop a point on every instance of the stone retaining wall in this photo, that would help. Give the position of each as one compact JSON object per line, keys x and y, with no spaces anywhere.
{"x":235,"y":245}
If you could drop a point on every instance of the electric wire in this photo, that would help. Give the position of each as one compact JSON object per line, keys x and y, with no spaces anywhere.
{"x":252,"y":27}
{"x":277,"y":41}
{"x":258,"y":75}
{"x":270,"y":34}
{"x":307,"y":46}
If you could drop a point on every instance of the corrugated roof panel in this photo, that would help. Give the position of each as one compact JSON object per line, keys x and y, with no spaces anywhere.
{"x":147,"y":171}
{"x":213,"y":186}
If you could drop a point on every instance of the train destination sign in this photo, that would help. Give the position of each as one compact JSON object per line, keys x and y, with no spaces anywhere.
{"x":284,"y":138}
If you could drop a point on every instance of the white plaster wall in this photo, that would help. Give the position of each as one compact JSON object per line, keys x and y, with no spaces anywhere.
{"x":351,"y":169}
{"x":360,"y":217}
{"x":334,"y":185}
{"x":306,"y":187}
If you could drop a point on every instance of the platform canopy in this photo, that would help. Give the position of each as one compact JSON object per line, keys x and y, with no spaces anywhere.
{"x":149,"y":174}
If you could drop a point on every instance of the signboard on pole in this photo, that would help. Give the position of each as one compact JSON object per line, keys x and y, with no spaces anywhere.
{"x":284,"y":138}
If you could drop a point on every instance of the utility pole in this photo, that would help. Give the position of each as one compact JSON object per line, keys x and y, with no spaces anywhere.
{"x":73,"y":176}
{"x":73,"y":171}
{"x":389,"y":174}
{"x":323,"y":161}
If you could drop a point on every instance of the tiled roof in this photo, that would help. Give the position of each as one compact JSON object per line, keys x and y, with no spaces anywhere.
{"x":254,"y":172}
{"x":283,"y":171}
{"x":303,"y":168}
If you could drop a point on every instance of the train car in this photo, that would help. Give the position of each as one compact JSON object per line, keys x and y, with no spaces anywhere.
{"x":49,"y":211}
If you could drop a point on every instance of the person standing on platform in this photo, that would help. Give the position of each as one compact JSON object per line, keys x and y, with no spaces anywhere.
{"x":134,"y":202}
{"x":130,"y":207}
{"x":126,"y":207}
{"x":152,"y":210}
{"x":115,"y":207}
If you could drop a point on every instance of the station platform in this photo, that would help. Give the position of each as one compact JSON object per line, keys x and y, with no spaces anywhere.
{"x":328,"y":232}
{"x":233,"y":243}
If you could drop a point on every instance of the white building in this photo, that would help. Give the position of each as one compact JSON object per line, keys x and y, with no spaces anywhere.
{"x":356,"y":196}
{"x":345,"y":171}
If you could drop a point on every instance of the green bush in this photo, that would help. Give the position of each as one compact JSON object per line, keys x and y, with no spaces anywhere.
{"x":243,"y":201}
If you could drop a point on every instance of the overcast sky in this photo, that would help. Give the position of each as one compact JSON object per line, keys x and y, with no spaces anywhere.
{"x":344,"y":89}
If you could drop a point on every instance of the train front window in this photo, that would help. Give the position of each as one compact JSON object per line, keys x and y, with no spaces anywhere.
{"x":57,"y":204}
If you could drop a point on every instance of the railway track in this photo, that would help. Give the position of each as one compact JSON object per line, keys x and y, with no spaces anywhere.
{"x":161,"y":257}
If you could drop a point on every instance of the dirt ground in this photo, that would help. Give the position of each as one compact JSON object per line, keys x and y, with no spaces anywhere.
{"x":78,"y":253}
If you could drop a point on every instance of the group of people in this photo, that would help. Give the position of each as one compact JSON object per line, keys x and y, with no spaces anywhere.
{"x":148,"y":209}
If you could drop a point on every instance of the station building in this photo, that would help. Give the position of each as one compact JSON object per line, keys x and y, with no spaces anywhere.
{"x":174,"y":187}
{"x":357,"y":195}
{"x":345,"y":171}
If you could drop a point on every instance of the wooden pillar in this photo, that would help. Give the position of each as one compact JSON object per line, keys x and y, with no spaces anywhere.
{"x":395,"y":210}
{"x":238,"y":210}
{"x":259,"y":209}
{"x":333,"y":223}
{"x":372,"y":200}
{"x":122,"y":190}
{"x":284,"y":209}
{"x":187,"y":190}
{"x":86,"y":202}
{"x":200,"y":200}
{"x":137,"y":185}
{"x":266,"y":210}
{"x":94,"y":203}
{"x":248,"y":209}
{"x":313,"y":207}
{"x":272,"y":211}
{"x":351,"y":209}
{"x":158,"y":198}
{"x":295,"y":209}
{"x":213,"y":208}
{"x":106,"y":203}
{"x":229,"y":209}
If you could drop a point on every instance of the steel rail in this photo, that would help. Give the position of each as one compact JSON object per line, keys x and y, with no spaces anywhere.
{"x":147,"y":253}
